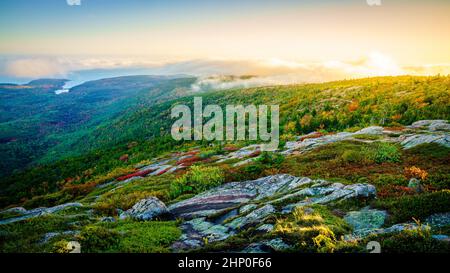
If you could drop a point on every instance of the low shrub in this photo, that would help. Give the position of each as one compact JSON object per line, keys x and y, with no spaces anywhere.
{"x":129,"y":236}
{"x":415,"y":172}
{"x":405,"y":208}
{"x":312,"y":229}
{"x":270,"y":159}
{"x":198,"y":179}
{"x":433,"y":150}
{"x":411,"y":241}
{"x":390,"y":179}
{"x":95,"y":239}
{"x":383,"y":152}
{"x":439,"y":181}
{"x":110,"y":202}
{"x":352,"y":156}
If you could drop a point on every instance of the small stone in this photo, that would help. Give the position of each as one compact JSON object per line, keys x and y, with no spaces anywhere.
{"x":415,"y":184}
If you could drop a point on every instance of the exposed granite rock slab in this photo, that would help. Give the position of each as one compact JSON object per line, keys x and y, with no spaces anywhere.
{"x":27,"y":214}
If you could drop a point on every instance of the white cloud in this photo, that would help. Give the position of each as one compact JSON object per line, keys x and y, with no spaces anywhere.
{"x":74,"y":2}
{"x":34,"y":68}
{"x":268,"y":72}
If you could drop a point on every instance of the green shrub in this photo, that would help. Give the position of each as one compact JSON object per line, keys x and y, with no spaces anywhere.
{"x":147,"y":237}
{"x":439,"y":181}
{"x":405,"y":208}
{"x":270,"y":159}
{"x":98,"y":239}
{"x":254,"y":169}
{"x":430,"y":150}
{"x":313,"y":229}
{"x":383,"y":152}
{"x":198,"y":179}
{"x":25,"y":236}
{"x":129,"y":236}
{"x":352,"y":156}
{"x":391,"y":179}
{"x":61,"y":247}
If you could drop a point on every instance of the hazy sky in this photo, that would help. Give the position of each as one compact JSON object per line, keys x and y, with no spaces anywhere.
{"x":46,"y":35}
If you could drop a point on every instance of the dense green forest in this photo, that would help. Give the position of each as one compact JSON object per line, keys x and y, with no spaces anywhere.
{"x":38,"y":126}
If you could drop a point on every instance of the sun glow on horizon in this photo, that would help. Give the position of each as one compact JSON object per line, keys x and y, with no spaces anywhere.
{"x":334,"y":39}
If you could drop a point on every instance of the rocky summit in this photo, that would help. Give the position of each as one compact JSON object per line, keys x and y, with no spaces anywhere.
{"x":226,"y":210}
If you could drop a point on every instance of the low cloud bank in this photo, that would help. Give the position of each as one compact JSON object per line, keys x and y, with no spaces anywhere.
{"x":211,"y":72}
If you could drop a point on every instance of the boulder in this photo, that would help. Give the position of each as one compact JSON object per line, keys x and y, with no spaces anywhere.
{"x":146,"y":209}
{"x":365,"y":220}
{"x":410,"y":141}
{"x":439,"y":125}
{"x":415,"y":184}
{"x":431,"y":125}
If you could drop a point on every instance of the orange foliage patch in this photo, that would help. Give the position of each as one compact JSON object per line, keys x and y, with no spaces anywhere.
{"x":415,"y":172}
{"x":353,"y":106}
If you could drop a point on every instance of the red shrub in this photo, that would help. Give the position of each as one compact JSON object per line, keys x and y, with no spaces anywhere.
{"x":230,"y":148}
{"x":140,"y":173}
{"x":124,"y":158}
{"x":394,"y":191}
{"x":255,"y":153}
{"x":189,"y":160}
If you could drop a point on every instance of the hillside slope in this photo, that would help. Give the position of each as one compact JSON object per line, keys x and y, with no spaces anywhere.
{"x":38,"y":125}
{"x":328,"y":107}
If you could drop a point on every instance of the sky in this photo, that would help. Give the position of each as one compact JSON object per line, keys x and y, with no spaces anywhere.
{"x":305,"y":40}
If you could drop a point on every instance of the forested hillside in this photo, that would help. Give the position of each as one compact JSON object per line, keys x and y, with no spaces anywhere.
{"x":39,"y":126}
{"x":144,"y":131}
